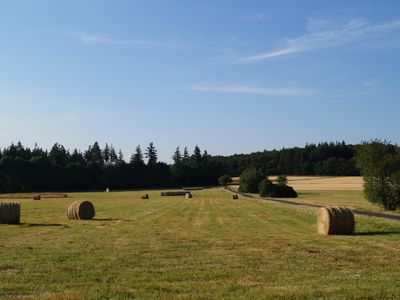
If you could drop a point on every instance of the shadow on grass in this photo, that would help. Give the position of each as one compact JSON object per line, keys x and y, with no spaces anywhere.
{"x":105,"y":219}
{"x":369,"y":233}
{"x":41,"y":224}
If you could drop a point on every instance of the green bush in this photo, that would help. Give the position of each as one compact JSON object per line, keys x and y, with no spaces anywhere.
{"x":225,"y":180}
{"x":265,"y":187}
{"x":250,"y":179}
{"x":268,"y":189}
{"x":281,"y":180}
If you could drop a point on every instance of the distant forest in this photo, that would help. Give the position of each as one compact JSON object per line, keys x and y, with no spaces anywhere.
{"x":30,"y":170}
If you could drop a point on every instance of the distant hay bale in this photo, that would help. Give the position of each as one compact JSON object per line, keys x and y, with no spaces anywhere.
{"x":235,"y":196}
{"x":37,"y":197}
{"x":10,"y":213}
{"x":335,"y":220}
{"x":189,"y":196}
{"x":81,"y":211}
{"x":174,"y":193}
{"x":145,"y":197}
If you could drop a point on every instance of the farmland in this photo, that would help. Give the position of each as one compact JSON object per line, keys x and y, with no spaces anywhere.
{"x":206,"y":247}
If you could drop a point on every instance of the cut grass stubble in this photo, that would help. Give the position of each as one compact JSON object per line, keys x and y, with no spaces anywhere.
{"x":205,"y":247}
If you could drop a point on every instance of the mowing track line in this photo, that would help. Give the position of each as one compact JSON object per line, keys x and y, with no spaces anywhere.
{"x":291,"y":202}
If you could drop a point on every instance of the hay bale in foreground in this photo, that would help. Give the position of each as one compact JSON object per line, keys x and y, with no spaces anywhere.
{"x":145,"y":196}
{"x":81,"y":211}
{"x":189,"y":196}
{"x":235,"y":196}
{"x":335,"y":220}
{"x":10,"y":213}
{"x":174,"y":193}
{"x":37,"y":197}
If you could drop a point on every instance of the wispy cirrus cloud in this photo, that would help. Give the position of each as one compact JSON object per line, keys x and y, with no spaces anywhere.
{"x":255,"y":90}
{"x":88,"y":38}
{"x":353,"y":31}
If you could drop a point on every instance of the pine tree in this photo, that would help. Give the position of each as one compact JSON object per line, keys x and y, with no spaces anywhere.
{"x":177,"y":157}
{"x":151,"y":154}
{"x":94,"y":154}
{"x":137,"y":157}
{"x":113,"y":155}
{"x":185,"y":154}
{"x":120,"y":156}
{"x":58,"y":155}
{"x":106,"y":154}
{"x":197,"y":154}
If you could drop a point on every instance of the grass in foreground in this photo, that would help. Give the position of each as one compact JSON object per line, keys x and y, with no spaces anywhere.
{"x":206,"y":247}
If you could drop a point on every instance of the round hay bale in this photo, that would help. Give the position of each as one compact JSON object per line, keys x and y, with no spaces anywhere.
{"x":10,"y":213}
{"x":235,"y":196}
{"x":37,"y":197}
{"x":189,"y":196}
{"x":335,"y":220}
{"x":81,"y":211}
{"x":349,"y":221}
{"x":174,"y":193}
{"x":145,"y":197}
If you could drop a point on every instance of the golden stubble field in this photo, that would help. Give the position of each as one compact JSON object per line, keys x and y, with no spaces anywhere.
{"x":321,"y":183}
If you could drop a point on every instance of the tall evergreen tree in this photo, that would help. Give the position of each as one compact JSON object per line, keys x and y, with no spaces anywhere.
{"x":185,"y":154}
{"x":58,"y":155}
{"x":94,"y":155}
{"x":151,"y":154}
{"x":113,"y":155}
{"x":177,"y":157}
{"x":197,"y":154}
{"x":137,"y":157}
{"x":120,"y":156}
{"x":106,"y":154}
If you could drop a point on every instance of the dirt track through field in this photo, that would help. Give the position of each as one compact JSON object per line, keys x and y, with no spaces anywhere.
{"x":291,"y":202}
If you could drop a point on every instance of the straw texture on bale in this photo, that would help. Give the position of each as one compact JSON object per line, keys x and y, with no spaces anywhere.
{"x":175,"y":193}
{"x":335,"y":220}
{"x":235,"y":197}
{"x":81,"y":211}
{"x":10,"y":213}
{"x":188,"y":196}
{"x":37,"y":197}
{"x":146,"y":196}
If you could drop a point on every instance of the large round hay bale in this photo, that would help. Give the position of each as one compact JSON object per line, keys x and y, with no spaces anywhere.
{"x":174,"y":193}
{"x":10,"y":213}
{"x":335,"y":220}
{"x":81,"y":211}
{"x":235,"y":196}
{"x":37,"y":197}
{"x":145,"y":196}
{"x":189,"y":196}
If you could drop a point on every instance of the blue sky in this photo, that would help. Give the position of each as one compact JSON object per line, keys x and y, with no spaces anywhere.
{"x":230,"y":76}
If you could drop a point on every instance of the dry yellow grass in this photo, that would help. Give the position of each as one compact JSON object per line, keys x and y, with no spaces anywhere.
{"x":325,"y":183}
{"x":320,"y":183}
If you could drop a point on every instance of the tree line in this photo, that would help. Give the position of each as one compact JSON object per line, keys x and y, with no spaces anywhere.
{"x":23,"y":169}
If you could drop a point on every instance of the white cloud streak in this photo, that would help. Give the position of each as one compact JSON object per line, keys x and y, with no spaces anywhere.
{"x":88,"y":38}
{"x":256,"y":90}
{"x":353,"y":31}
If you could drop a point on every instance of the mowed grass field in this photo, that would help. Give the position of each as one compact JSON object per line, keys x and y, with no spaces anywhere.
{"x":208,"y":247}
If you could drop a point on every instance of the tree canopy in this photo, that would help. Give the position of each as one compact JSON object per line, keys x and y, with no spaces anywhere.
{"x":379,"y":162}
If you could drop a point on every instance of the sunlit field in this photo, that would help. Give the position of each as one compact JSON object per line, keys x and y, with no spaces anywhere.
{"x":207,"y":247}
